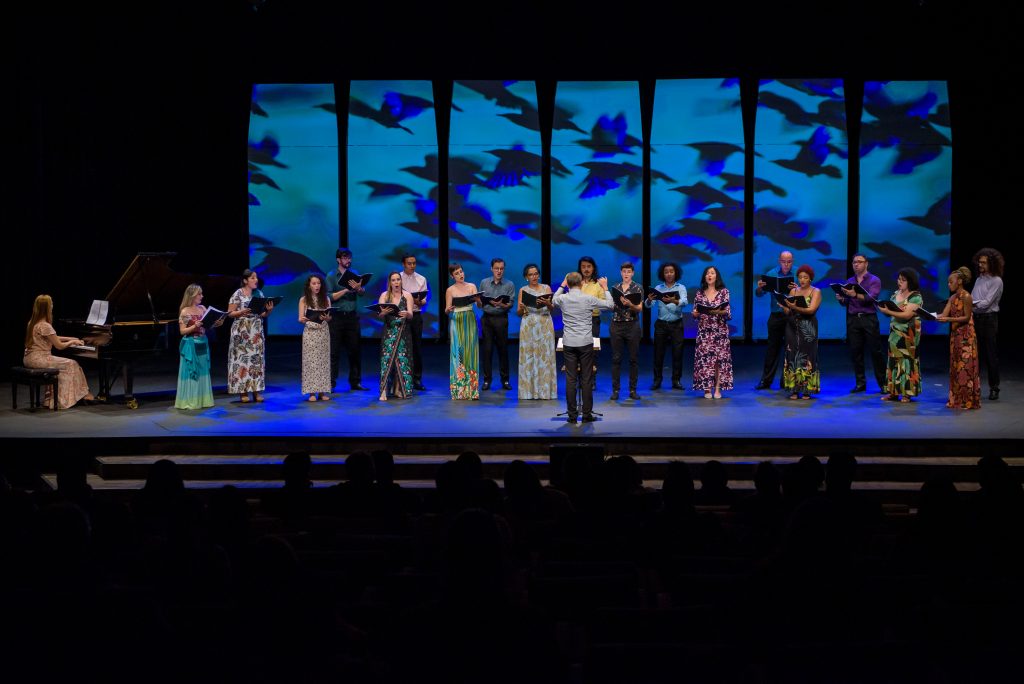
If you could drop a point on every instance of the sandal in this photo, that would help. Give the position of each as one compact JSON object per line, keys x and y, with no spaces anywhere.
{"x":806,"y":396}
{"x":718,"y":395}
{"x":325,"y":397}
{"x":245,"y":398}
{"x":258,"y":398}
{"x":905,"y":400}
{"x":707,"y":395}
{"x":794,"y":395}
{"x":889,"y":397}
{"x":312,"y":397}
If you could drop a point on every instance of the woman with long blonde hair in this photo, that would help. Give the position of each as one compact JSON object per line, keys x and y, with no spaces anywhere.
{"x":40,"y":340}
{"x":395,"y":361}
{"x":195,"y":388}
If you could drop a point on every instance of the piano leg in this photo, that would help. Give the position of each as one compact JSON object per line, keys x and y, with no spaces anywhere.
{"x":104,"y":392}
{"x":129,"y":386}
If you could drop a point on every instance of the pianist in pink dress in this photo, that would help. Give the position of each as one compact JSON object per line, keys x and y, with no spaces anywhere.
{"x":40,"y":340}
{"x":195,"y":389}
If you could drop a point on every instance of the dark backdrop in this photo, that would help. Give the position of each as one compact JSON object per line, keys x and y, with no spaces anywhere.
{"x":127,"y":132}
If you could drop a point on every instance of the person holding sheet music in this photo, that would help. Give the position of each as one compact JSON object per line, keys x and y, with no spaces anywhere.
{"x":40,"y":340}
{"x":463,"y":379}
{"x":781,"y":277}
{"x":345,"y":321}
{"x":395,"y":366}
{"x":195,"y":388}
{"x":988,"y":290}
{"x":416,"y":284}
{"x":537,"y":379}
{"x":668,"y":328}
{"x":247,"y":349}
{"x":964,"y":374}
{"x":625,"y":329}
{"x":494,"y":322}
{"x":903,"y":371}
{"x":712,"y":358}
{"x":862,"y":323}
{"x":800,"y":374}
{"x":578,"y":341}
{"x":316,"y":339}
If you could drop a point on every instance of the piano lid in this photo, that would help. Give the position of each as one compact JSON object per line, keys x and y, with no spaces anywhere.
{"x":150,"y":290}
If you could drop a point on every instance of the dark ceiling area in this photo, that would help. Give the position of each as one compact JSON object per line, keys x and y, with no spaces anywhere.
{"x":128,"y":130}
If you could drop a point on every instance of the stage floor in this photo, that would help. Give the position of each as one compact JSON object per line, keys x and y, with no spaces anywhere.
{"x":744,"y":414}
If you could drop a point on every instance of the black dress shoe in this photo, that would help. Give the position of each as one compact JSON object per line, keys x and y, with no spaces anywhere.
{"x":763,"y":385}
{"x":677,"y":386}
{"x":418,"y":386}
{"x":656,"y":385}
{"x":358,"y":388}
{"x":589,"y":418}
{"x":993,"y":394}
{"x":859,"y":388}
{"x":505,"y":385}
{"x":634,"y":395}
{"x":486,"y":385}
{"x":571,"y":418}
{"x":614,"y":396}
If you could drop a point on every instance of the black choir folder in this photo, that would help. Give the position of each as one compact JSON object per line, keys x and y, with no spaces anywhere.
{"x":385,"y":308}
{"x":794,"y":299}
{"x":419,"y":297}
{"x":888,"y":304}
{"x":927,"y":315}
{"x":838,"y":288}
{"x":259,"y":304}
{"x":667,"y":297}
{"x":212,"y":317}
{"x":635,"y":298}
{"x":354,"y":281}
{"x":466,"y":300}
{"x":317,"y":315}
{"x":536,"y":301}
{"x":488,"y":299}
{"x":777,"y":283}
{"x":704,"y":309}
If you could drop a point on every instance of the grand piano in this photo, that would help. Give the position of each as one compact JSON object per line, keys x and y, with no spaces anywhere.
{"x":142,"y":319}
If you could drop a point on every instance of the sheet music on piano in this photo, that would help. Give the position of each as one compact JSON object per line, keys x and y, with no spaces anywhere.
{"x":98,"y":312}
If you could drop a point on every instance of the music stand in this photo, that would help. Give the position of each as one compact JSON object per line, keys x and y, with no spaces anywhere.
{"x":579,"y":385}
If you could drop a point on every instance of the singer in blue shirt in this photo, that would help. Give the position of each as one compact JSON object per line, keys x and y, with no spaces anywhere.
{"x":668,"y":327}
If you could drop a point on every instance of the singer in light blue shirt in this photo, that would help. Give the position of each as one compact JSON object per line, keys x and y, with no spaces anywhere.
{"x":668,"y":327}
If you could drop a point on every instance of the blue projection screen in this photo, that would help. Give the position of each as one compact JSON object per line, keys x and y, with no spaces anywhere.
{"x":293,"y":192}
{"x":393,"y":190}
{"x":697,"y":216}
{"x":494,"y":190}
{"x":597,"y":178}
{"x":905,"y":186}
{"x":801,"y":189}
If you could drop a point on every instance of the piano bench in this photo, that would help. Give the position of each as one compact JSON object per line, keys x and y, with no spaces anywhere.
{"x":35,"y":378}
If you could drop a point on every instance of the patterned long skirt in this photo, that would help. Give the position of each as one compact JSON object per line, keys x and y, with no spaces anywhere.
{"x":537,"y":378}
{"x":316,"y":358}
{"x":801,"y":372}
{"x":246,"y":356}
{"x":395,"y":365}
{"x":964,"y":374}
{"x":903,"y":369}
{"x":463,"y":376}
